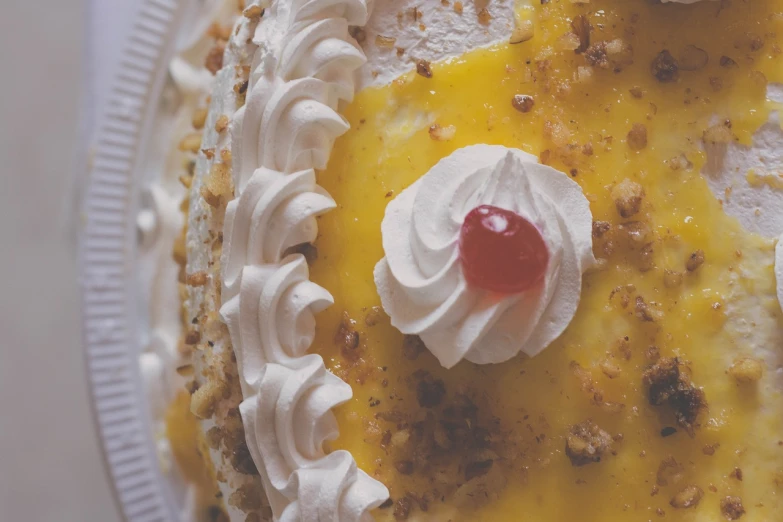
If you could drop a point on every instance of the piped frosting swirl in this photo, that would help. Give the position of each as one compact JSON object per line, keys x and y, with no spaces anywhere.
{"x":303,"y":67}
{"x":421,"y":282}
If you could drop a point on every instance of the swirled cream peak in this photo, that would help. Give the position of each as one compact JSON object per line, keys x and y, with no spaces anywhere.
{"x":421,"y":283}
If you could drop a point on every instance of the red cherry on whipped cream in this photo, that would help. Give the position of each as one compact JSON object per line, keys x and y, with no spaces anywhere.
{"x":501,"y":251}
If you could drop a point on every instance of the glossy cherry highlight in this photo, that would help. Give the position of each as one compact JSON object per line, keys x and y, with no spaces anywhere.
{"x":501,"y":251}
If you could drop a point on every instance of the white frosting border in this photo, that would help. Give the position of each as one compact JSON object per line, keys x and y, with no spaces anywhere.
{"x":304,"y":63}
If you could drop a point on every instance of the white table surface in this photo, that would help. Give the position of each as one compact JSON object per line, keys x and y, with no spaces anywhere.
{"x":50,"y":462}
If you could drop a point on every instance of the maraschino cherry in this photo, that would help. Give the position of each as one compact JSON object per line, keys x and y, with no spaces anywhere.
{"x":501,"y":251}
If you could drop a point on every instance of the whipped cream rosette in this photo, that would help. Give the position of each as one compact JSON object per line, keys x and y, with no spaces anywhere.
{"x":422,"y":280}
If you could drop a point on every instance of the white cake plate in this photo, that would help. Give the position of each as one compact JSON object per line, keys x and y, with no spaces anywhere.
{"x":113,"y":321}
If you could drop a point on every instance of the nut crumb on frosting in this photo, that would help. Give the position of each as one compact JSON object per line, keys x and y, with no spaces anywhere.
{"x":687,"y":497}
{"x":695,"y":260}
{"x":668,"y":382}
{"x":746,"y":370}
{"x":423,"y":68}
{"x":523,"y":102}
{"x":214,"y":59}
{"x":731,"y":507}
{"x":586,"y":443}
{"x":627,"y":196}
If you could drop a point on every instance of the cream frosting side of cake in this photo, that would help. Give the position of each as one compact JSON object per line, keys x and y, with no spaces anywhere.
{"x":422,"y":285}
{"x":204,"y":224}
{"x":159,"y":223}
{"x":303,"y":66}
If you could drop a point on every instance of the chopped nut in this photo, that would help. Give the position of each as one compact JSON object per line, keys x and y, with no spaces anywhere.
{"x":357,"y":33}
{"x":197,"y":279}
{"x":347,"y":338}
{"x":246,"y":498}
{"x":386,"y":42}
{"x":600,"y":228}
{"x":627,"y":196}
{"x":731,"y":508}
{"x":586,"y":443}
{"x":664,"y":67}
{"x":439,"y":133}
{"x":484,"y":17}
{"x":671,"y":278}
{"x":402,"y":508}
{"x":695,"y":260}
{"x":458,"y":7}
{"x":643,"y":310}
{"x":522,"y":102}
{"x":581,"y":28}
{"x":596,"y":56}
{"x":253,"y":12}
{"x":687,"y":497}
{"x":222,"y":123}
{"x":205,"y":399}
{"x":217,"y":186}
{"x":373,"y":316}
{"x":668,"y":384}
{"x":423,"y":68}
{"x":214,"y":60}
{"x":522,"y":31}
{"x":746,"y":370}
{"x":637,"y":136}
{"x":192,"y":337}
{"x":610,"y":368}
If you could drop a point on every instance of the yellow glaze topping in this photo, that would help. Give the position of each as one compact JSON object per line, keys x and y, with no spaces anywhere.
{"x":642,"y":302}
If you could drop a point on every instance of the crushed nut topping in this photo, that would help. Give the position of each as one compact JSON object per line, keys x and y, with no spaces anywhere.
{"x":695,"y":260}
{"x":627,"y":196}
{"x":665,"y":67}
{"x":668,"y":383}
{"x":581,"y":28}
{"x":731,"y":507}
{"x":746,"y":370}
{"x":423,"y":68}
{"x":687,"y":497}
{"x":214,"y":60}
{"x":586,"y":443}
{"x":386,"y":42}
{"x":440,"y":133}
{"x":522,"y":32}
{"x":637,"y":136}
{"x":523,"y":102}
{"x":672,"y":278}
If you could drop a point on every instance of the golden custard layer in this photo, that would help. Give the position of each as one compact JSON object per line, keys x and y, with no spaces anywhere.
{"x":678,"y":277}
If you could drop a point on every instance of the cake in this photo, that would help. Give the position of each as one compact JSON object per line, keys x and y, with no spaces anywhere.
{"x":486,"y":260}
